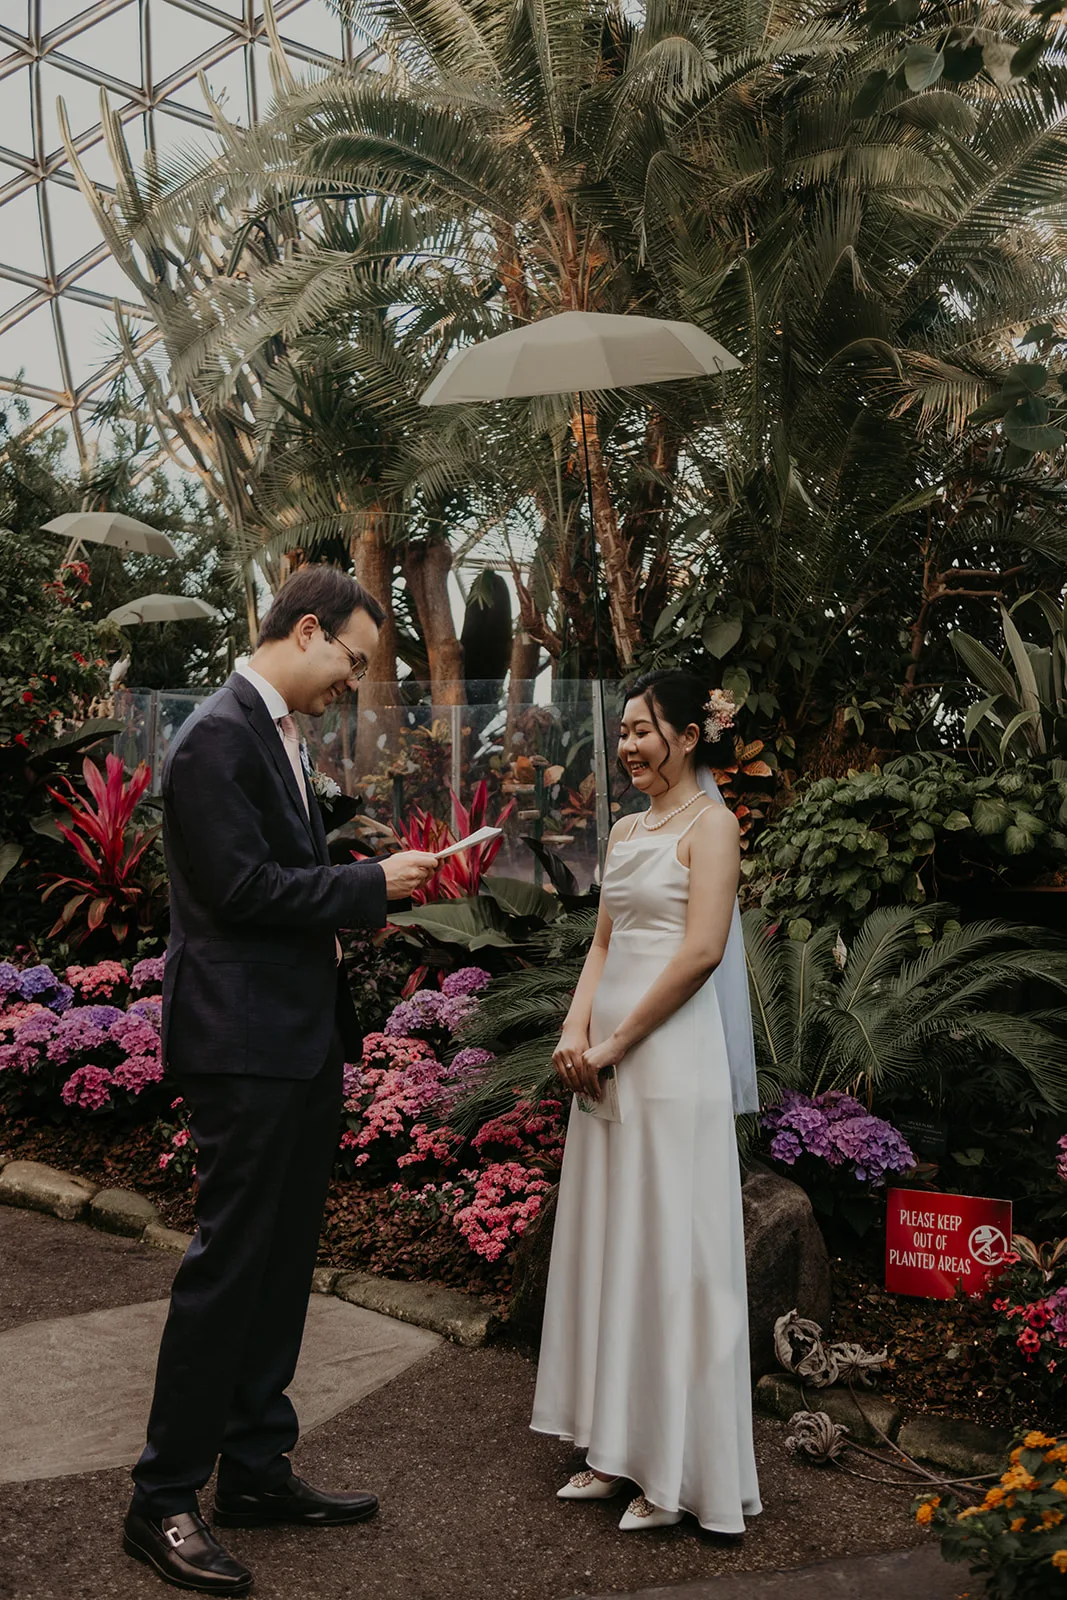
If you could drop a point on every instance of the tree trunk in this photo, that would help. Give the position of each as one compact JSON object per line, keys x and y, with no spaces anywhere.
{"x":373,"y":560}
{"x":619,"y":580}
{"x":426,"y":568}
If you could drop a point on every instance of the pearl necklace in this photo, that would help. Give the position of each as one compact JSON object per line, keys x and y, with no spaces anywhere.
{"x":651,"y":827}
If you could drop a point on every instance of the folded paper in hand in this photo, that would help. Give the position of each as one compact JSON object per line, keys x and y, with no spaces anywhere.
{"x":607,"y":1108}
{"x":481,"y":837}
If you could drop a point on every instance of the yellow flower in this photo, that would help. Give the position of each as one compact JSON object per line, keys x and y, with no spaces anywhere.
{"x":1059,"y":1560}
{"x":1017,"y":1525}
{"x":1038,"y":1441}
{"x":925,"y":1514}
{"x":993,"y":1497}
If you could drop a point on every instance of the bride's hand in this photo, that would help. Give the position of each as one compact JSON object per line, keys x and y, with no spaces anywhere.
{"x":607,"y":1054}
{"x":568,"y":1059}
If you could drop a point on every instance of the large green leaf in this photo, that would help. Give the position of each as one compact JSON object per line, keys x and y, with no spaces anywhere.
{"x":10,"y":856}
{"x":521,"y":899}
{"x":70,"y":743}
{"x":474,"y":923}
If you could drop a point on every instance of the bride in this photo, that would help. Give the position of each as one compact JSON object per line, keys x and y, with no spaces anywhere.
{"x":644,"y":1355}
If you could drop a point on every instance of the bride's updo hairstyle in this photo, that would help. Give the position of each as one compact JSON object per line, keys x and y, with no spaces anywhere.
{"x":678,"y":699}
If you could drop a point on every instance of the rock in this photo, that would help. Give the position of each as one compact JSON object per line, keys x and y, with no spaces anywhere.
{"x":122,"y":1211}
{"x":162,"y":1238}
{"x":324,"y":1279}
{"x":963,"y":1447}
{"x":39,"y":1188}
{"x":529,"y":1278}
{"x":778,"y":1395}
{"x":463,"y":1318}
{"x":785,"y":1258}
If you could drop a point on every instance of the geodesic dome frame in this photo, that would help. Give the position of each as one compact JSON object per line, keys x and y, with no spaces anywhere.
{"x":57,"y":281}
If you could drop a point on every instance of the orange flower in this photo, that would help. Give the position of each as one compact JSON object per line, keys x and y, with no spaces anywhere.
{"x":1059,"y":1454}
{"x":1060,"y":1486}
{"x":1018,"y":1478}
{"x":1051,"y":1518}
{"x":925,"y":1514}
{"x":1059,"y":1560}
{"x":971,"y":1511}
{"x":1017,"y":1525}
{"x":1038,"y":1441}
{"x":993,"y":1497}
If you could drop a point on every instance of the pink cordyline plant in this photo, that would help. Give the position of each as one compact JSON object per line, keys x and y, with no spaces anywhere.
{"x":110,"y":849}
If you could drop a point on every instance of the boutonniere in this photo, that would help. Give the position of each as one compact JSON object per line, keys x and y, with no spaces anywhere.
{"x":325,"y":789}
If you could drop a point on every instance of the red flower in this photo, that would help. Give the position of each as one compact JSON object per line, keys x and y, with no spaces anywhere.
{"x":80,"y":659}
{"x":27,"y":697}
{"x":1037,"y":1316}
{"x":1028,"y":1341}
{"x":1000,"y":1305}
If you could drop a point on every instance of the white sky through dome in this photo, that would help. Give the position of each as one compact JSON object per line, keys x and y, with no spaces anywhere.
{"x":57,"y":281}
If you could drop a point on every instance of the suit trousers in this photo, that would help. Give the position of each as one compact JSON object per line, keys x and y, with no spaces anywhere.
{"x":266,"y":1148}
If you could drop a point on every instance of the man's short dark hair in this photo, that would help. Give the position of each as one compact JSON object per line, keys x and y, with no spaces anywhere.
{"x":318,"y":591}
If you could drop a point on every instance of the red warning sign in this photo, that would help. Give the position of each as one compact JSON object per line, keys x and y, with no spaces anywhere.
{"x":934,"y":1242}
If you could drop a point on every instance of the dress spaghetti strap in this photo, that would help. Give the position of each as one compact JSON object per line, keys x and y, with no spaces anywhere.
{"x":633,"y":826}
{"x":697,"y":818}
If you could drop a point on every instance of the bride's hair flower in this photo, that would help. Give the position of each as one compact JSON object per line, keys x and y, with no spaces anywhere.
{"x":719,"y":712}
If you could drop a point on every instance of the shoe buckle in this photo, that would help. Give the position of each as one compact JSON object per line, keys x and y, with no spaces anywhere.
{"x":173,"y":1537}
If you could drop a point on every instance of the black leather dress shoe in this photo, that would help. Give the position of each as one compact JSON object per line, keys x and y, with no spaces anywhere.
{"x":296,"y":1501}
{"x":184,"y":1552}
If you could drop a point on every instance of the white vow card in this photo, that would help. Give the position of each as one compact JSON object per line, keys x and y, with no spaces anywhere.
{"x":481,"y":837}
{"x":607,"y":1108}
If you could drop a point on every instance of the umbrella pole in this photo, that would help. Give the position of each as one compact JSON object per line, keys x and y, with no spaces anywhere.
{"x":600,"y":722}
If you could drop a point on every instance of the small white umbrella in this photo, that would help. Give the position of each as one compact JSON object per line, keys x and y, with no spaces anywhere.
{"x":110,"y":528}
{"x":160,"y":608}
{"x":576,"y":351}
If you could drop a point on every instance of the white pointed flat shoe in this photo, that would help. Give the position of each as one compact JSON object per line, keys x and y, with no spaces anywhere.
{"x":587,"y":1486}
{"x":641,"y":1514}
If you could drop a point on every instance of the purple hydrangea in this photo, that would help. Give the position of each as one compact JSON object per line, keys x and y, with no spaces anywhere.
{"x":17,"y":1058}
{"x":136,"y":1073}
{"x":38,"y":1029}
{"x":134,"y":1034}
{"x":150,"y":970}
{"x":1061,"y":1158}
{"x":89,"y":1088}
{"x":37,"y":981}
{"x":9,"y":979}
{"x":467,"y":1060}
{"x":466,"y":981}
{"x":79,"y":1032}
{"x":353,"y":1077}
{"x":62,"y":1000}
{"x":150,"y":1008}
{"x":1056,"y":1306}
{"x":429,"y":1010}
{"x":102,"y":1016}
{"x":836,"y":1128}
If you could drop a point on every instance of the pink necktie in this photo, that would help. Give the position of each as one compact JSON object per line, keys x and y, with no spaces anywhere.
{"x":291,"y":739}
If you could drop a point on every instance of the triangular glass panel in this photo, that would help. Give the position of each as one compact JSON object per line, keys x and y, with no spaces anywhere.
{"x":29,"y":348}
{"x":20,"y":232}
{"x":81,"y":99}
{"x":112,"y":45}
{"x":16,"y":124}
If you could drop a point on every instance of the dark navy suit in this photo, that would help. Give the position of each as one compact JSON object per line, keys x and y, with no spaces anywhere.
{"x":257,"y":1024}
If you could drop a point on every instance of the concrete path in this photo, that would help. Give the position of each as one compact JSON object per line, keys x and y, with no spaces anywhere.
{"x":75,"y":1391}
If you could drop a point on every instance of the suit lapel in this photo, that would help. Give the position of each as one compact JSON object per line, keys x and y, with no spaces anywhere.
{"x":260,"y":719}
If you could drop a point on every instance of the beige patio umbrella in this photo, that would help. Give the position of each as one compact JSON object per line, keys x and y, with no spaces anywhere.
{"x":573,"y":353}
{"x":160,"y":608}
{"x":110,"y":528}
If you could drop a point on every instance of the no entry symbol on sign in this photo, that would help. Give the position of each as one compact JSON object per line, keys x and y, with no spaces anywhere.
{"x":936,"y":1242}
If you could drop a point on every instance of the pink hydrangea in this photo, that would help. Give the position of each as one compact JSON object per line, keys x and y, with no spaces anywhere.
{"x":507,"y":1197}
{"x":39,"y":1028}
{"x":150,"y":970}
{"x":89,"y":1088}
{"x":16,"y":1015}
{"x":102,"y":979}
{"x":18,"y":1058}
{"x":137,"y":1073}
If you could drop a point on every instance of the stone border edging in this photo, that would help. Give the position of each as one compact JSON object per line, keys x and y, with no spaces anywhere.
{"x":964,"y":1448}
{"x":463,"y":1318}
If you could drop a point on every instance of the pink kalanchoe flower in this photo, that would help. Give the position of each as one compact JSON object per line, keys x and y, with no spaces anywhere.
{"x":102,"y":979}
{"x":89,"y":1088}
{"x":507,"y":1197}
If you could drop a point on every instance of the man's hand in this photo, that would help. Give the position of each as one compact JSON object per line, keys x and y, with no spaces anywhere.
{"x":407,"y":871}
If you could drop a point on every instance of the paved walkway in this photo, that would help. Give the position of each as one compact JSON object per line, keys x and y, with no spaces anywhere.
{"x":468,"y":1503}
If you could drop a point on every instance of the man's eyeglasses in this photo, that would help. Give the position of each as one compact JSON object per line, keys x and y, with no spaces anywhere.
{"x":359,"y":664}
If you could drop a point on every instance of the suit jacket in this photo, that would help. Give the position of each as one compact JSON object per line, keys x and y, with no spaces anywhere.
{"x":251,"y":983}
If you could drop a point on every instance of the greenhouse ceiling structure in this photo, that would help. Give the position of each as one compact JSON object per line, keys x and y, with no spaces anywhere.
{"x":57,"y":283}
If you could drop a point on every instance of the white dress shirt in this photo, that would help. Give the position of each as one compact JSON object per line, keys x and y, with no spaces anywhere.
{"x":274,"y":702}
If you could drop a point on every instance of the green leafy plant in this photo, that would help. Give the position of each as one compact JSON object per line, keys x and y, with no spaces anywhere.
{"x":901,"y":833}
{"x":114,"y":889}
{"x":884,"y":1016}
{"x":1015,"y":1538}
{"x":1023,"y":713}
{"x":505,"y":915}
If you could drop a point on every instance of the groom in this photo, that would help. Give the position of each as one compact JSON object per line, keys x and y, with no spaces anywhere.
{"x":257,"y":1024}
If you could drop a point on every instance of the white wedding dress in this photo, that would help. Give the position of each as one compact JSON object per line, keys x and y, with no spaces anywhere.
{"x":644,"y":1354}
